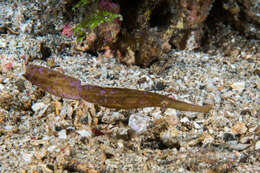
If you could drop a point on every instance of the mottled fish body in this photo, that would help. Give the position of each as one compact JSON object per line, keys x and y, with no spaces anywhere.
{"x":65,"y":86}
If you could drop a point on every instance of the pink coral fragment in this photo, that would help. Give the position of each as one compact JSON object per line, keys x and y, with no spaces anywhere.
{"x":67,"y":31}
{"x":9,"y":66}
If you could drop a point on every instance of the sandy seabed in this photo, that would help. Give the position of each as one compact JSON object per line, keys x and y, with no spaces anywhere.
{"x":43,"y":133}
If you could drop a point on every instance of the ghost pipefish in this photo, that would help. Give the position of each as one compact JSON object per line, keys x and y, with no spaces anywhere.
{"x":65,"y":86}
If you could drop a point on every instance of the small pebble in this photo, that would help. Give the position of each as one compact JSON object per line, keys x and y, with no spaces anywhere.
{"x":7,"y":127}
{"x":84,"y":133}
{"x":257,"y":145}
{"x":51,"y":148}
{"x":184,"y":120}
{"x":239,"y":147}
{"x":196,"y":125}
{"x":205,"y":58}
{"x":3,"y":44}
{"x":62,"y":134}
{"x":170,"y":136}
{"x":138,"y":122}
{"x":239,"y":128}
{"x":6,"y":80}
{"x":27,"y":157}
{"x":172,"y":117}
{"x":13,"y":44}
{"x":38,"y":106}
{"x":238,"y":86}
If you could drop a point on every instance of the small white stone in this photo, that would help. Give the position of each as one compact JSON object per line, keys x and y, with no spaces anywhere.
{"x":170,"y":136}
{"x":6,"y":80}
{"x":120,"y":144}
{"x":232,"y":142}
{"x":257,"y":145}
{"x":156,"y":115}
{"x":116,"y":115}
{"x":148,"y":109}
{"x":38,"y":106}
{"x":66,"y":110}
{"x":3,"y":44}
{"x":27,"y":157}
{"x":181,"y":170}
{"x":245,"y":139}
{"x":191,"y":42}
{"x":196,"y":125}
{"x":84,"y":133}
{"x":26,"y":27}
{"x":217,"y":98}
{"x":170,"y":112}
{"x":239,"y":128}
{"x":208,"y":139}
{"x":239,"y":147}
{"x":123,"y":131}
{"x":211,"y":86}
{"x":185,"y":120}
{"x":7,"y":127}
{"x":257,"y":82}
{"x":239,"y":86}
{"x":205,"y":58}
{"x":2,"y":87}
{"x":12,"y":44}
{"x":243,"y":53}
{"x":62,"y":134}
{"x":51,"y":148}
{"x":138,"y":122}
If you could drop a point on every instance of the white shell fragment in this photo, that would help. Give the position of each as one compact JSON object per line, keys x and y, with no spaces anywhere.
{"x":238,"y":86}
{"x":3,"y":43}
{"x":138,"y":122}
{"x":27,"y":157}
{"x":84,"y":133}
{"x":62,"y":134}
{"x":257,"y":145}
{"x":40,"y":108}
